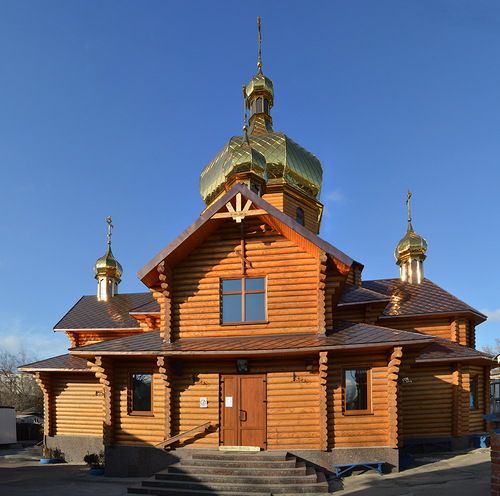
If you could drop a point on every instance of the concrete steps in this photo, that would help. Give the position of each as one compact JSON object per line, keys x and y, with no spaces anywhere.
{"x":234,"y":473}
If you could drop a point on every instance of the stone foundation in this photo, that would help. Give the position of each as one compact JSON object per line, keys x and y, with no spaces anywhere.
{"x":495,"y":463}
{"x":75,"y":448}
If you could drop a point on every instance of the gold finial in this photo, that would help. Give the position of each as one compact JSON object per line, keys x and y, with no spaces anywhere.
{"x":408,"y":206}
{"x":259,"y":43}
{"x":109,"y":220}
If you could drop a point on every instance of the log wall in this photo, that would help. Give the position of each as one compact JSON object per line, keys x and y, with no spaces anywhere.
{"x":81,"y":338}
{"x":427,"y":401}
{"x":76,"y":401}
{"x":363,"y":429}
{"x":292,"y":281}
{"x":476,"y":421}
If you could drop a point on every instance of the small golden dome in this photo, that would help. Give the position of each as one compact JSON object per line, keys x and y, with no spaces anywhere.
{"x":412,"y":245}
{"x":260,"y":84}
{"x":107,"y":265}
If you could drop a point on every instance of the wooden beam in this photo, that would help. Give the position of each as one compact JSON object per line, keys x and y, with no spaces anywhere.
{"x":323,"y":400}
{"x":102,"y":368}
{"x":43,"y":380}
{"x":165,"y":372}
{"x":393,"y":368}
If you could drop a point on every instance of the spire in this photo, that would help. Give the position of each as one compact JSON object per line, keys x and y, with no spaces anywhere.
{"x":107,"y":270}
{"x":410,"y":252}
{"x":260,"y":95}
{"x":408,"y":207}
{"x":259,"y":45}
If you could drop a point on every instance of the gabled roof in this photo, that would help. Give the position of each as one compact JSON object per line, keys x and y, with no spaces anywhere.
{"x":344,"y":335}
{"x":206,"y":224}
{"x":89,"y":313}
{"x":352,"y":294}
{"x":61,"y":363}
{"x":427,"y":298}
{"x":443,"y":350}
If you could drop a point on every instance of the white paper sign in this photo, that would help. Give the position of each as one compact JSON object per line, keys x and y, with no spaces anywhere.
{"x":229,"y":401}
{"x":203,"y":402}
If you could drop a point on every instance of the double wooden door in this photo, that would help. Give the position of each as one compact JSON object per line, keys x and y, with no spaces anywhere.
{"x":243,"y":410}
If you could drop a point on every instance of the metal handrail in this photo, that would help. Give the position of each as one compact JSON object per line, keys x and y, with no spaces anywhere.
{"x":200,"y":428}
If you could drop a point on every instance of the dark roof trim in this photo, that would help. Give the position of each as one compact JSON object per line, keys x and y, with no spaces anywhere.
{"x":366,"y":302}
{"x":325,"y":347}
{"x":262,"y":204}
{"x":109,"y":329}
{"x":477,"y":314}
{"x":456,"y":359}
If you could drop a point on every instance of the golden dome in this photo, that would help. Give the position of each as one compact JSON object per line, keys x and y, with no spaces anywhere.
{"x":412,"y":245}
{"x":286,"y":162}
{"x":260,"y":84}
{"x":244,"y":158}
{"x":107,"y":265}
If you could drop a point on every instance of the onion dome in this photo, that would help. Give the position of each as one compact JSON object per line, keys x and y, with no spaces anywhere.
{"x":108,"y":266}
{"x":244,"y":158}
{"x":410,"y":252}
{"x":108,"y":271}
{"x":412,"y":245}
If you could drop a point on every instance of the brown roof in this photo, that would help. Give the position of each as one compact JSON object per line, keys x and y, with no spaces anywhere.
{"x":67,"y":363}
{"x":205,"y":225}
{"x":344,"y":335}
{"x":352,"y":294}
{"x":443,"y":350}
{"x":428,"y":298}
{"x":89,"y":313}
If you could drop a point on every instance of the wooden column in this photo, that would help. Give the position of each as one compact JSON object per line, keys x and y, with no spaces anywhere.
{"x":165,"y":372}
{"x":165,"y":276}
{"x":486,"y":390}
{"x":392,"y":394}
{"x":323,"y":400}
{"x":321,"y":292}
{"x":43,"y":380}
{"x":102,"y":368}
{"x":460,"y":412}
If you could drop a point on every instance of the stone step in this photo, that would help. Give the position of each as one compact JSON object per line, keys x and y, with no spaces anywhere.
{"x":295,"y":471}
{"x":190,"y":492}
{"x":249,"y":479}
{"x":193,"y":462}
{"x":262,"y":456}
{"x":316,"y":487}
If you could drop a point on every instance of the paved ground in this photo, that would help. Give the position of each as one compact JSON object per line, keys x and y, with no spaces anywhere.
{"x":440,"y":475}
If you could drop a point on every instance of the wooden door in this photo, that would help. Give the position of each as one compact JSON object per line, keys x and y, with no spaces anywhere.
{"x":243,"y":410}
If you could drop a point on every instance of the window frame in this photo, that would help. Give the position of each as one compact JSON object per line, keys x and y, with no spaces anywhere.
{"x":130,"y":396}
{"x":369,"y":383}
{"x":302,"y":219}
{"x":243,"y":292}
{"x":474,"y":379}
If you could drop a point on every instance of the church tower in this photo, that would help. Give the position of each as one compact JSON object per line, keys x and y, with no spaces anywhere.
{"x":268,"y":162}
{"x":108,"y":270}
{"x":410,"y":252}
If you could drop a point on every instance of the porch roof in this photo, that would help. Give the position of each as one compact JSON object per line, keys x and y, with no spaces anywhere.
{"x":442,"y":350}
{"x":344,"y":335}
{"x":61,"y":363}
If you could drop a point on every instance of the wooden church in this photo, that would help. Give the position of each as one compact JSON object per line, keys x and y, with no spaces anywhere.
{"x":253,"y":333}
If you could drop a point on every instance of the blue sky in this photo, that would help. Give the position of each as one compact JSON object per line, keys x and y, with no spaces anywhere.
{"x":114,"y":107}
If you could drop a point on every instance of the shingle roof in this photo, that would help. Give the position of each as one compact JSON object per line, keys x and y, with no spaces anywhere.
{"x":58,"y":363}
{"x":443,"y":350}
{"x":344,"y":335}
{"x":89,"y":313}
{"x":418,"y":299}
{"x":356,"y":294}
{"x":149,"y":307}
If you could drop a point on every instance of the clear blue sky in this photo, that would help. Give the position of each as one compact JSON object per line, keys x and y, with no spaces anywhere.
{"x":114,"y":107}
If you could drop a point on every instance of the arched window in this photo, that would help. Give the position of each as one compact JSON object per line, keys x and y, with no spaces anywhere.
{"x":299,"y":216}
{"x":259,"y":107}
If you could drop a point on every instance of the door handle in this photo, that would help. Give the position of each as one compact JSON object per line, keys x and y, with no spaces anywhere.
{"x":243,"y":416}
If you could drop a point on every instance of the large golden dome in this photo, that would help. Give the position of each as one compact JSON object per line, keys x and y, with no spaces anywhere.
{"x":108,"y":265}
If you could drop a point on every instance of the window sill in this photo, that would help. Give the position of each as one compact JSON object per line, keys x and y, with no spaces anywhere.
{"x":140,"y":414}
{"x":357,"y":413}
{"x":247,"y":322}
